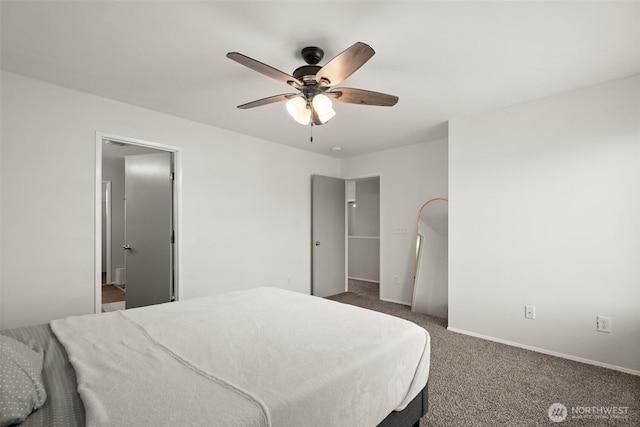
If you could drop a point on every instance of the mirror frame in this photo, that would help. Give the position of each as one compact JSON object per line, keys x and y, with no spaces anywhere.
{"x":415,"y":257}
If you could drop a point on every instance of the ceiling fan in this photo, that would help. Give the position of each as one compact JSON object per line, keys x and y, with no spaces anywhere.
{"x":313,"y":103}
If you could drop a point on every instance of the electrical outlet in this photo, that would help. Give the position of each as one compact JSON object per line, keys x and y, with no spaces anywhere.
{"x":603,"y":324}
{"x":530,"y":312}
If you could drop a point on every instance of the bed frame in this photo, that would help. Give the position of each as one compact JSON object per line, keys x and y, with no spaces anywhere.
{"x":409,"y":416}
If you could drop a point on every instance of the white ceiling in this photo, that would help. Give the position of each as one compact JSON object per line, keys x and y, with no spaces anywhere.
{"x":443,"y":59}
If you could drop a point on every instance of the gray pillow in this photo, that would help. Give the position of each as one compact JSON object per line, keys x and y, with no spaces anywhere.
{"x":21,"y":388}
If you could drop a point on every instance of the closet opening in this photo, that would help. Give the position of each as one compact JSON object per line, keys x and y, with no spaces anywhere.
{"x":363,"y":236}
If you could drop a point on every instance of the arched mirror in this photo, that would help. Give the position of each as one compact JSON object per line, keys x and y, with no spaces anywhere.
{"x":430,"y":284}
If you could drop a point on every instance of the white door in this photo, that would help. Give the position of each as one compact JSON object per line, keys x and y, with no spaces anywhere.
{"x":328,"y":275}
{"x":148,"y":229}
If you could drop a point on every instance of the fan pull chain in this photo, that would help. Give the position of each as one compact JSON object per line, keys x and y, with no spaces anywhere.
{"x":311,"y":133}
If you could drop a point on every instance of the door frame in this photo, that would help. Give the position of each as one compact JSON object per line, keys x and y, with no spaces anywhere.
{"x":177,"y":209}
{"x":346,"y":232}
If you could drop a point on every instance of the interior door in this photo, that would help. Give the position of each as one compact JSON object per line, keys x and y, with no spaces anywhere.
{"x":328,"y":275}
{"x":148,"y":229}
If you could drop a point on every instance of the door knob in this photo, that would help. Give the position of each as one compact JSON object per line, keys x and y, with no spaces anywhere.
{"x":127,"y":247}
{"x":317,"y":243}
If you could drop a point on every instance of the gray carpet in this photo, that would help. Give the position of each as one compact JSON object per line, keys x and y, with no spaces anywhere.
{"x":474,"y":382}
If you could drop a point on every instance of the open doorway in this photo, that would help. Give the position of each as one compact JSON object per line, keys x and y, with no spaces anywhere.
{"x":136,"y":262}
{"x":363,"y":236}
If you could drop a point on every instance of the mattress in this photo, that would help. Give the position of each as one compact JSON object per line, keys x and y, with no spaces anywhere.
{"x":263,"y":357}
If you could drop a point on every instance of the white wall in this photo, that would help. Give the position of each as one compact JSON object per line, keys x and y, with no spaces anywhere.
{"x":545,"y":211}
{"x":409,"y":176}
{"x":364,"y":215}
{"x":48,"y":201}
{"x":364,"y":259}
{"x":104,"y":226}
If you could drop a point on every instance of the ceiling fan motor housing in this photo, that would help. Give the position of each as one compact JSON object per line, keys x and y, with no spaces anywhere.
{"x":307,"y":73}
{"x":312,"y":55}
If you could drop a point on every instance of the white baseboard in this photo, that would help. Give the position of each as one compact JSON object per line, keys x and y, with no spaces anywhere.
{"x":395,"y":301}
{"x":549,"y":352}
{"x":363,"y":280}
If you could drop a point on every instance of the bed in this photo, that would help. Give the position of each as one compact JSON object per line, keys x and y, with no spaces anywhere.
{"x":259,"y":357}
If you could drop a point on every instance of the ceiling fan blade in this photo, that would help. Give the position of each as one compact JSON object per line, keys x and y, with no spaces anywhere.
{"x":345,"y":64}
{"x":268,"y":100}
{"x":265,"y":69}
{"x":362,"y":97}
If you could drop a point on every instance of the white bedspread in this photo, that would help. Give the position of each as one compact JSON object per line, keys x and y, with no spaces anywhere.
{"x":262,"y":357}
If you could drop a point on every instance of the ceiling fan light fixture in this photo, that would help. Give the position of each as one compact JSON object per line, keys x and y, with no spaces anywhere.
{"x":313,"y":104}
{"x":295,"y":106}
{"x":324,"y":118}
{"x":304,"y":117}
{"x":298,"y":109}
{"x":322,"y":104}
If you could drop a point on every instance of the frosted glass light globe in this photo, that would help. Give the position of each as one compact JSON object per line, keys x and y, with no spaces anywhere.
{"x":322,"y":104}
{"x":295,"y":106}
